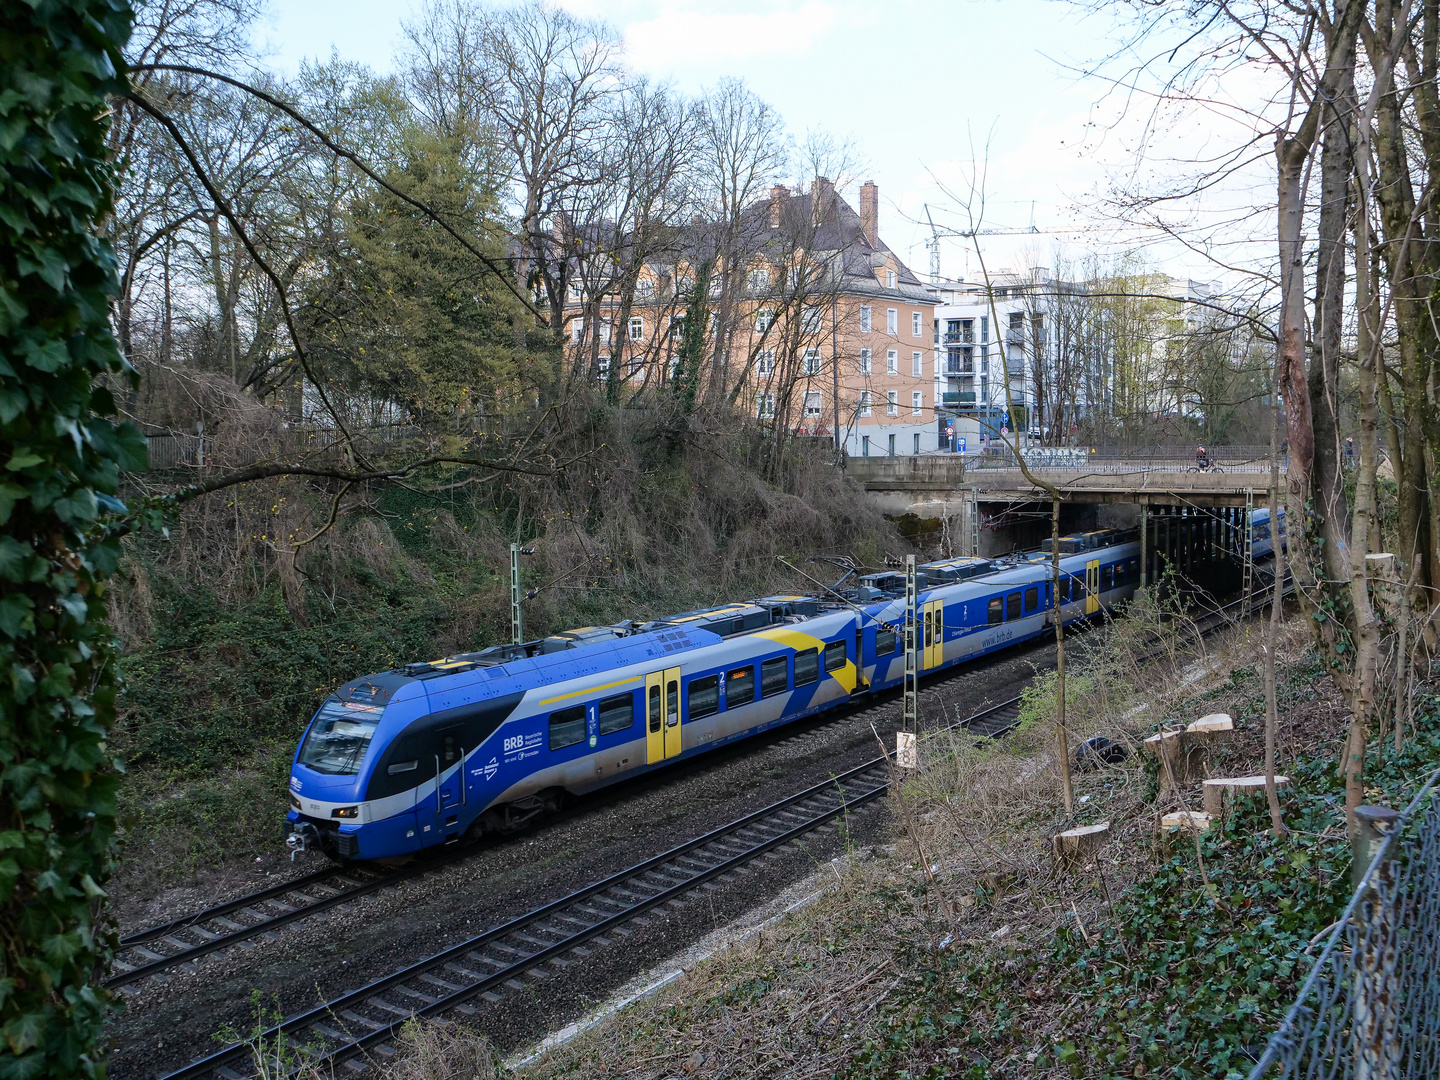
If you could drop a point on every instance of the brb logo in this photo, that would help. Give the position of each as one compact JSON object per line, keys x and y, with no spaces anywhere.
{"x":514,"y":742}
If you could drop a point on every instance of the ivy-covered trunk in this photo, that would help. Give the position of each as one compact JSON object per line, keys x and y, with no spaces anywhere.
{"x":61,"y":461}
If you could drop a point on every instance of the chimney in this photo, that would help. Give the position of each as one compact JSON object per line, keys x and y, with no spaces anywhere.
{"x":822,"y":193}
{"x":870,"y":212}
{"x":778,"y":194}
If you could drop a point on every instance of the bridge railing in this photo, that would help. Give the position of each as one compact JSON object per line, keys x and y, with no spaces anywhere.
{"x":1370,"y":1008}
{"x":1071,"y":464}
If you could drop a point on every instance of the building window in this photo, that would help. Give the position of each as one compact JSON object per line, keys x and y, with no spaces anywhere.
{"x":917,"y":363}
{"x":889,"y":279}
{"x":812,"y":317}
{"x":984,"y":329}
{"x":764,"y":319}
{"x":892,"y":406}
{"x":645,"y":288}
{"x":604,"y":329}
{"x":677,"y":327}
{"x":765,"y":405}
{"x":759,"y":280}
{"x":915,"y":324}
{"x":917,"y":444}
{"x":717,"y":284}
{"x":864,"y":318}
{"x":892,"y":445}
{"x":917,"y":403}
{"x":892,"y":321}
{"x":812,"y":404}
{"x":937,"y":331}
{"x":604,"y":366}
{"x":892,"y":361}
{"x":634,"y":366}
{"x":577,"y":330}
{"x":765,"y":362}
{"x":810,"y":363}
{"x":865,"y":409}
{"x":683,"y":285}
{"x":864,"y":445}
{"x":574,"y":290}
{"x":865,"y":361}
{"x":637,"y":329}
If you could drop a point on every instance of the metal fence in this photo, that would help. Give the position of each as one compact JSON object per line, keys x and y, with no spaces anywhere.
{"x":1370,"y":1009}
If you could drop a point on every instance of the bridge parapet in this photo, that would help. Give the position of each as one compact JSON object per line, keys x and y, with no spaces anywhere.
{"x":1096,"y":481}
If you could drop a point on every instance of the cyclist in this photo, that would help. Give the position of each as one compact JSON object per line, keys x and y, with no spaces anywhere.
{"x":1202,"y":458}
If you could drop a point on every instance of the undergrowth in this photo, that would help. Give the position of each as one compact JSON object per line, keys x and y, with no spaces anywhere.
{"x":961,"y":952}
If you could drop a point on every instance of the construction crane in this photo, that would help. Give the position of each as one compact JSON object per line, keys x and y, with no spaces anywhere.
{"x":936,"y":232}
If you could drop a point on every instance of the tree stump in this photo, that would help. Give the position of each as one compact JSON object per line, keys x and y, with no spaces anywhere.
{"x":1073,"y":847}
{"x":1210,"y":734}
{"x":1181,"y":758}
{"x":1185,"y":822}
{"x":1220,"y":793}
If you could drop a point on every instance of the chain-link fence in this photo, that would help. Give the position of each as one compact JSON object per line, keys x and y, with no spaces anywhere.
{"x":1370,"y":1009}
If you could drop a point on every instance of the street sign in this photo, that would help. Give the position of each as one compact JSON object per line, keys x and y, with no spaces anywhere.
{"x":962,"y":445}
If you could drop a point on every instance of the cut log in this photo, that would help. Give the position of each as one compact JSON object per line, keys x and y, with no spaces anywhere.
{"x":1073,"y":847}
{"x":1181,"y":758}
{"x":1219,"y":792}
{"x":1185,"y":822}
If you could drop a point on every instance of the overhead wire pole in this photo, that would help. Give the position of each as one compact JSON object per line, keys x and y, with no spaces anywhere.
{"x":905,"y":739}
{"x":515,"y":635}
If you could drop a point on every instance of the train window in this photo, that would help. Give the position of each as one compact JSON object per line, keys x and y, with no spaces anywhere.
{"x":704,"y":696}
{"x":655,"y":707}
{"x":449,"y":748}
{"x":739,"y":687}
{"x":1012,"y":606}
{"x":836,"y":656}
{"x":1107,"y":578}
{"x":1032,"y":598}
{"x":1132,"y":572}
{"x":403,"y":767}
{"x":886,"y":641}
{"x":617,"y":713}
{"x":567,"y":727}
{"x":672,"y":703}
{"x":774,"y":676}
{"x":807,"y":667}
{"x":997,"y":611}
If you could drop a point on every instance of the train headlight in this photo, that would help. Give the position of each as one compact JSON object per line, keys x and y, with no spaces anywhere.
{"x":294,"y":802}
{"x":346,"y":812}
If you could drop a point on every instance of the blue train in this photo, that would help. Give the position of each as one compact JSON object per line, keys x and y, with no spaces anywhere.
{"x":484,"y":742}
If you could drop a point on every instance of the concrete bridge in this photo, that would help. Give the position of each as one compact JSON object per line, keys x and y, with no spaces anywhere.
{"x":986,"y":506}
{"x":915,"y":484}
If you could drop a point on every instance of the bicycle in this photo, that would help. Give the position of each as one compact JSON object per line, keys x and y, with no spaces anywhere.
{"x":1209,"y":467}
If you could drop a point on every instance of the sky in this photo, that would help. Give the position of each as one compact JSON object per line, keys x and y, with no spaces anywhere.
{"x":928,"y":93}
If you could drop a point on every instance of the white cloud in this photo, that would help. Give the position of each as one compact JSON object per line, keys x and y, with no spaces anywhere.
{"x":687,"y":34}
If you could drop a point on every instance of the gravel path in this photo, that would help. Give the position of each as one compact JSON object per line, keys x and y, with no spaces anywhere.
{"x":171,"y":1019}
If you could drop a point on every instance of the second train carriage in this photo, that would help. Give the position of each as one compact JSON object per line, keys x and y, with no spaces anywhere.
{"x":477,"y":742}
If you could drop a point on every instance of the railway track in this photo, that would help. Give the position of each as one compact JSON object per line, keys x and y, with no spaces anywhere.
{"x":184,"y":941}
{"x":542,"y":943}
{"x":360,"y":1026}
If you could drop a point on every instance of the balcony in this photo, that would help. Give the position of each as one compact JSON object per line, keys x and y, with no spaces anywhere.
{"x":956,"y":367}
{"x":960,"y":337}
{"x":961,"y":400}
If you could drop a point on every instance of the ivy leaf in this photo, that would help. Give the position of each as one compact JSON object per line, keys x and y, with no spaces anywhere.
{"x":15,"y":615}
{"x":24,"y":1032}
{"x":23,"y":460}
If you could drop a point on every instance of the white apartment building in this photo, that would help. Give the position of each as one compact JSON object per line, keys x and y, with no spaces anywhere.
{"x":982,"y":341}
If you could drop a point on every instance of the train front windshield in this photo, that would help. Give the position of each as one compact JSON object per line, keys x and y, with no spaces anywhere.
{"x":339,"y":737}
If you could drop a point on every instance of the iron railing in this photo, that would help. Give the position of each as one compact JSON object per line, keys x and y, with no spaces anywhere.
{"x":1370,"y":1008}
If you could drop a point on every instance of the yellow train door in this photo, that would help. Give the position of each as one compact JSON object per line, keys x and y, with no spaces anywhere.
{"x":1092,"y":586}
{"x":662,"y":715}
{"x":934,"y":627}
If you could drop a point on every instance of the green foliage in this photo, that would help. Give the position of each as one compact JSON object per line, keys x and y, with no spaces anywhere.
{"x":62,"y":462}
{"x":405,"y":311}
